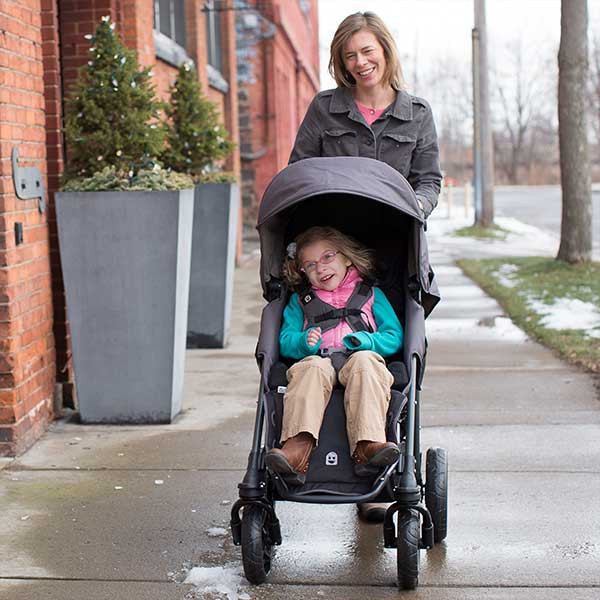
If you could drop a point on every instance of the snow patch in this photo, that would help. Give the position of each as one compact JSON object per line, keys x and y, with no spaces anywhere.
{"x":497,"y":328}
{"x":504,"y":275}
{"x":568,"y":313}
{"x":216,"y":532}
{"x":227,"y":581}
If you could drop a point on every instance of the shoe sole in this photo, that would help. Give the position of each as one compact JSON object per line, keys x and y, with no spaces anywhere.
{"x":278,"y":464}
{"x":386,"y":456}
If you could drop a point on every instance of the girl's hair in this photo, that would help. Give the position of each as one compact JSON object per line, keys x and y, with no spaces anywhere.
{"x":354,"y":251}
{"x":346,"y":29}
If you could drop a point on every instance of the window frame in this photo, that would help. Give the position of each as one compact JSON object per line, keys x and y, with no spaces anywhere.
{"x":167,"y":48}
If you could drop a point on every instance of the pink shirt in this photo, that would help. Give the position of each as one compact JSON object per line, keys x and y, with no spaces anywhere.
{"x":370,"y":114}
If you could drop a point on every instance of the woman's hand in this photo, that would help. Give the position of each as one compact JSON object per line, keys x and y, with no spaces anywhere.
{"x":314,"y":335}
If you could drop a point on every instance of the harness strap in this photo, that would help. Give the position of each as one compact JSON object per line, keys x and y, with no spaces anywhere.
{"x":339,"y":313}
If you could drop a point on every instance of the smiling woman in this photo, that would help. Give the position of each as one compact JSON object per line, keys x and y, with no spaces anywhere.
{"x":369,"y":113}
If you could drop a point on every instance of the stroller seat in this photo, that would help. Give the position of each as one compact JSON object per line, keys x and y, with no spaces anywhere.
{"x":331,"y":468}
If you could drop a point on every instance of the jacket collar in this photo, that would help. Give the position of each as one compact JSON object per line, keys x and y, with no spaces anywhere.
{"x":342,"y":101}
{"x":350,"y":280}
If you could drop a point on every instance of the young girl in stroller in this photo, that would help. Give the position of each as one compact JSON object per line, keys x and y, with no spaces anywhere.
{"x":336,"y":325}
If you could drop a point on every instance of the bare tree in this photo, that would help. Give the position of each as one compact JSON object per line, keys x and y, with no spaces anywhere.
{"x":576,"y":227}
{"x":594,"y":92}
{"x":447,"y":78}
{"x":525,"y":112}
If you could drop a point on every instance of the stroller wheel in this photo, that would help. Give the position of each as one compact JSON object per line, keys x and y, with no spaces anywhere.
{"x":256,"y":544}
{"x":436,"y":491}
{"x":409,"y":530}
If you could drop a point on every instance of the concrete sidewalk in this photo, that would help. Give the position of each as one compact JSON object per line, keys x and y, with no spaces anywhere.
{"x":124,"y":512}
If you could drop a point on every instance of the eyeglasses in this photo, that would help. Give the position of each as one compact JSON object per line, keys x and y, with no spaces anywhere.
{"x":328,"y":257}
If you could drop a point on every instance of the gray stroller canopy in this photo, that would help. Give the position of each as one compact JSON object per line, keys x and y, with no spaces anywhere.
{"x":354,"y":177}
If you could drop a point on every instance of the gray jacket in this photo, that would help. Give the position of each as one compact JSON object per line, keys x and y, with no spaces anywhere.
{"x":404,"y":137}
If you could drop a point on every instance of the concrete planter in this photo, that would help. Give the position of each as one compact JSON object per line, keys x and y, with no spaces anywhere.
{"x":216,"y":209}
{"x":126,"y":263}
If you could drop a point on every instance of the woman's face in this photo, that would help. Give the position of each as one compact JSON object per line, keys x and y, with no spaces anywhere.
{"x":364,"y":59}
{"x":323,"y":264}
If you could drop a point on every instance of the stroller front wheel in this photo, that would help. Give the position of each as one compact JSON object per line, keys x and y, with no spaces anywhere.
{"x":256,"y":544}
{"x":409,"y":529}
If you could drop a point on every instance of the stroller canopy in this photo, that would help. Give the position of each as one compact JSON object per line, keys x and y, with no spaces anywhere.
{"x":317,"y":180}
{"x":350,"y":175}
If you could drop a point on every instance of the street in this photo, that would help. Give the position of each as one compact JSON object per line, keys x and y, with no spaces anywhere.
{"x":541,"y":207}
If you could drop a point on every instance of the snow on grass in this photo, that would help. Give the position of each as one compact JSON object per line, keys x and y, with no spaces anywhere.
{"x":568,"y":313}
{"x":504,"y":275}
{"x":226,"y":581}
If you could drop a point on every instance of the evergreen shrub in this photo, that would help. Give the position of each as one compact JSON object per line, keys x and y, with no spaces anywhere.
{"x":112,"y":122}
{"x":196,"y":140}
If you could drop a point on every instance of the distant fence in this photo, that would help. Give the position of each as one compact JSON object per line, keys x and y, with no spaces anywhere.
{"x":456,"y":198}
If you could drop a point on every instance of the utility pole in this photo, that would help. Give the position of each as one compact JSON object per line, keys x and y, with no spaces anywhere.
{"x":483,"y":156}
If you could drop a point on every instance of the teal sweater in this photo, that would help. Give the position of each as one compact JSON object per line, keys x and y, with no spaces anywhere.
{"x":387,"y":340}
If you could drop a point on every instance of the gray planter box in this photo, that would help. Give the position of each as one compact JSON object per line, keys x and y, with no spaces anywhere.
{"x":216,"y":209}
{"x":126,"y":262}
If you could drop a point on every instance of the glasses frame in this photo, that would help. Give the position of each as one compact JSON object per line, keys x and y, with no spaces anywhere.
{"x":313,"y":263}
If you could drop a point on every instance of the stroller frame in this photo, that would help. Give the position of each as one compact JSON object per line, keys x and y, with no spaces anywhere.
{"x":419,"y":524}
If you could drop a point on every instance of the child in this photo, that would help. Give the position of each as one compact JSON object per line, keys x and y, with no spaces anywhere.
{"x":337,"y":314}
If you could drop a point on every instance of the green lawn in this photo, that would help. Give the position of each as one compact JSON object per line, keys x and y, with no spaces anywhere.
{"x":519,"y":283}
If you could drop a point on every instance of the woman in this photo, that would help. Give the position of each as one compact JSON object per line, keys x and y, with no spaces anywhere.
{"x":369,"y":113}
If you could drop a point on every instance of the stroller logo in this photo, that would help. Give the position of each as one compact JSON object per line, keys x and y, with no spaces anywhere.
{"x":331,"y":460}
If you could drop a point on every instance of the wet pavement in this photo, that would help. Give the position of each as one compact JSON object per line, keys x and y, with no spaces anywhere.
{"x":125,"y":512}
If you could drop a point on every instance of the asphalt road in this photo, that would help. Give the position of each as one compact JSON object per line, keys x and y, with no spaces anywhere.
{"x":541,"y":206}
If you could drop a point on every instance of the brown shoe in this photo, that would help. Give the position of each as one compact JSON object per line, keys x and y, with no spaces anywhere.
{"x":372,"y":512}
{"x":291,"y":462}
{"x":376,"y":453}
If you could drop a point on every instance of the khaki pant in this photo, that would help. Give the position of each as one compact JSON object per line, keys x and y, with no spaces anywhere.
{"x":367,"y":384}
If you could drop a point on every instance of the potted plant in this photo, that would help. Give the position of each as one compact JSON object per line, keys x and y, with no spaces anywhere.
{"x":124,"y":226}
{"x":196,"y":141}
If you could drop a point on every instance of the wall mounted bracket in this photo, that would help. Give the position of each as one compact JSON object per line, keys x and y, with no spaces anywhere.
{"x":28,"y":181}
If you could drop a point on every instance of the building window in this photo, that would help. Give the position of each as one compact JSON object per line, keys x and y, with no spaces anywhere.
{"x":214,"y":41}
{"x":213,"y":34}
{"x":169,"y":31}
{"x":169,"y":19}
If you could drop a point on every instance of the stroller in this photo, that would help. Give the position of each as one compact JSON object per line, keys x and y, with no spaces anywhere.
{"x":372,"y":202}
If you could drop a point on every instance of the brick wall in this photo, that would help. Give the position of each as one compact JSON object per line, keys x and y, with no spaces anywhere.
{"x":42,"y":44}
{"x":286,"y":68}
{"x":27,"y":356}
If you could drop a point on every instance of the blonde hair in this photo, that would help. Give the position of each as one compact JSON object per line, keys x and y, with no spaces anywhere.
{"x":346,"y":29}
{"x":354,"y":251}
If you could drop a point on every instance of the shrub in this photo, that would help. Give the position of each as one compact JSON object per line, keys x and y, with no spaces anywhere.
{"x":112,"y":115}
{"x":195,"y":137}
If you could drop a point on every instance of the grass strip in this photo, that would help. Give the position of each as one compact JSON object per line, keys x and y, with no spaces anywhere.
{"x":493,"y":232}
{"x":517,"y":283}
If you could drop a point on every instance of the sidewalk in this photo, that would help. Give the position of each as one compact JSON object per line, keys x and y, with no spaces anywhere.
{"x":125,"y":512}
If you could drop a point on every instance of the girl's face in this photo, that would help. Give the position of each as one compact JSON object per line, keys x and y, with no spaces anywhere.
{"x":364,"y":59}
{"x":323,"y":264}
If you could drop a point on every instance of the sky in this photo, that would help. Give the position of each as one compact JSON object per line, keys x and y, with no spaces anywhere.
{"x":427,"y":30}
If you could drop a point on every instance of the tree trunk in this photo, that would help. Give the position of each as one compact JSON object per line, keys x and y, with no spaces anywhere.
{"x":576,"y":226}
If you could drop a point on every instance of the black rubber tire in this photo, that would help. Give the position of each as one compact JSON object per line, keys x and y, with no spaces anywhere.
{"x":409,"y":533}
{"x":436,"y":491}
{"x":256,"y":544}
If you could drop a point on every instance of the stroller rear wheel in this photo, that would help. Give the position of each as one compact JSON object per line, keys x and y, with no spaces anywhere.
{"x":409,"y":530}
{"x":256,"y":544}
{"x":436,"y":491}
